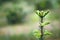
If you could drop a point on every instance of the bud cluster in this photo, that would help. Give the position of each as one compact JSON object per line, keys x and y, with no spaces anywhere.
{"x":42,"y":13}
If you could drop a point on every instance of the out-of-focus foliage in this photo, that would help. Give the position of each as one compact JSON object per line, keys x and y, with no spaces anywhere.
{"x":15,"y":17}
{"x":27,"y":7}
{"x":14,"y":11}
{"x":46,"y":4}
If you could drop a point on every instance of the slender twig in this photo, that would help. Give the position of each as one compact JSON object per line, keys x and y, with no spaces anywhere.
{"x":42,"y":29}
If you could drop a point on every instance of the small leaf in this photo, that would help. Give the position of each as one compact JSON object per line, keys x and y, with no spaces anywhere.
{"x":37,"y":33}
{"x":37,"y":12}
{"x":47,"y":32}
{"x":45,"y":23}
{"x":46,"y":13}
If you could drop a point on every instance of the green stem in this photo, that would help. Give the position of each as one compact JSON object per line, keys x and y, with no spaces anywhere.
{"x":42,"y":34}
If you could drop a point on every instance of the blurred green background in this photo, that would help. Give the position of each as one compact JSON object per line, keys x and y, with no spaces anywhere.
{"x":18,"y":19}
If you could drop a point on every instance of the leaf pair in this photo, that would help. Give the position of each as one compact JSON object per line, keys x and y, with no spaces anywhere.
{"x":42,"y":13}
{"x":37,"y":33}
{"x":47,"y":32}
{"x":45,"y":23}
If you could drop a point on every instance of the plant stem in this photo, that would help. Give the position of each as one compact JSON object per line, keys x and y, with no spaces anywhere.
{"x":42,"y":34}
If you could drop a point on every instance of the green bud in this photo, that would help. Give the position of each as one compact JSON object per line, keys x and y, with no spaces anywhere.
{"x":41,"y":13}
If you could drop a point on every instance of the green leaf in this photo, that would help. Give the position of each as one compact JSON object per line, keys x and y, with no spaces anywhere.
{"x":45,"y":23}
{"x":45,"y":13}
{"x":37,"y":33}
{"x":37,"y":12}
{"x":47,"y":32}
